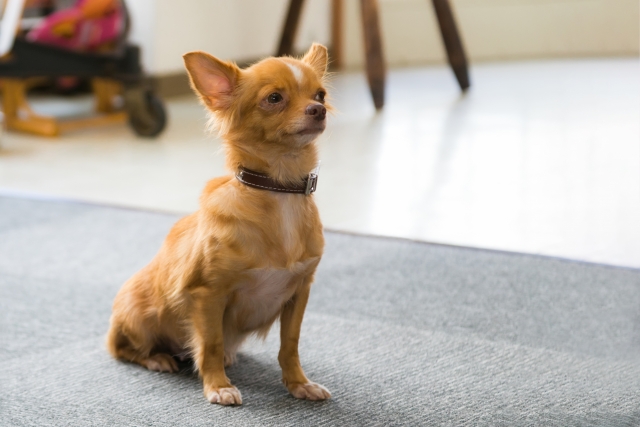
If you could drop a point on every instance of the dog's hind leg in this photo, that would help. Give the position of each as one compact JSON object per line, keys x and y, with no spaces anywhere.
{"x":232,"y":342}
{"x":133,"y":333}
{"x":136,"y":349}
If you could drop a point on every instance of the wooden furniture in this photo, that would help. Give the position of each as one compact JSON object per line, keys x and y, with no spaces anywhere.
{"x":116,"y":75}
{"x":375,"y":65}
{"x":20,"y":117}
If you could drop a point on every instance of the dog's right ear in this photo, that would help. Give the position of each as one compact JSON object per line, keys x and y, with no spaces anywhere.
{"x":214,"y":80}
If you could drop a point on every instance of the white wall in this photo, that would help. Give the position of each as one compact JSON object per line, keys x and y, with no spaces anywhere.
{"x":230,"y":29}
{"x":142,"y":30}
{"x":491,"y":29}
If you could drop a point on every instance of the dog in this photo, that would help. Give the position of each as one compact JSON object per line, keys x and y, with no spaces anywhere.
{"x":247,"y":257}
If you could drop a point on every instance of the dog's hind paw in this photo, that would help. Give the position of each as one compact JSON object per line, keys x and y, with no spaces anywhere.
{"x":161,"y":362}
{"x":308,"y":391}
{"x":225,"y":396}
{"x":229,"y":359}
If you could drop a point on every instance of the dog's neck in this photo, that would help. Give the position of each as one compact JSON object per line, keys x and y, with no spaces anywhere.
{"x":282,"y":164}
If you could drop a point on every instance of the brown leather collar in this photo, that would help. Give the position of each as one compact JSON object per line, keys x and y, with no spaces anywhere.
{"x":263,"y":182}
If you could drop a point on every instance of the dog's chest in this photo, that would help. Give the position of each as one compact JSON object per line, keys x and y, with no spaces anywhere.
{"x":262,"y":292}
{"x":291,"y":214}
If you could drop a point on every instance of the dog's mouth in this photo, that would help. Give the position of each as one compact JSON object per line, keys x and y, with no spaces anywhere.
{"x":312,"y":130}
{"x":309,"y":131}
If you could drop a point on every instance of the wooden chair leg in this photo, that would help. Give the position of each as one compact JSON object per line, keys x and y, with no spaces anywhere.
{"x":452,"y":42}
{"x":373,"y":50}
{"x":290,"y":28}
{"x":337,"y":57}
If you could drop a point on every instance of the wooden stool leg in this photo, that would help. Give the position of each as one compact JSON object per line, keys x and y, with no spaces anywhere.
{"x":290,"y":28}
{"x":452,"y":42}
{"x":373,"y":51}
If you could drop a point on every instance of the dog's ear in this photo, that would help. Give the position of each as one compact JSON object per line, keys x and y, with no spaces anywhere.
{"x":214,"y":80}
{"x":317,"y":58}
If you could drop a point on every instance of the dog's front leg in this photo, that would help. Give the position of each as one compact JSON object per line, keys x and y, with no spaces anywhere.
{"x":208,"y":340}
{"x":293,"y":376}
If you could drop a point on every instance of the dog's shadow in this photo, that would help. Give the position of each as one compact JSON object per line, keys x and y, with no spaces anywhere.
{"x":252,"y":374}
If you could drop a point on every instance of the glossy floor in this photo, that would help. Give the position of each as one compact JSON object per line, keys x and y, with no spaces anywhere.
{"x":538,"y":157}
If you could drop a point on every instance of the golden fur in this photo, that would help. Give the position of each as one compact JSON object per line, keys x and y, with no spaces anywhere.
{"x":247,"y":257}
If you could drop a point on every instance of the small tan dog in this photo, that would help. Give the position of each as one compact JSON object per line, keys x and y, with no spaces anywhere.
{"x":248,"y":256}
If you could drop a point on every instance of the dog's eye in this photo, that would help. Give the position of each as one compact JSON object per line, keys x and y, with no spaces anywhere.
{"x":320,"y":96}
{"x":274,"y":98}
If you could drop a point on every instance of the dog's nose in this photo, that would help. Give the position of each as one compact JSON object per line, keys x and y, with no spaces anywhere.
{"x":316,"y":110}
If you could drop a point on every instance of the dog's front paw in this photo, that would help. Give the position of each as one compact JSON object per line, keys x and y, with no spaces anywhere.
{"x":309,"y":391}
{"x":224,"y":396}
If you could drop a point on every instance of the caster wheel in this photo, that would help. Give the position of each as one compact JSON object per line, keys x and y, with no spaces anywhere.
{"x":147,"y":115}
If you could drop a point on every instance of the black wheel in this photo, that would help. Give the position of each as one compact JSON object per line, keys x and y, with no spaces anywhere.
{"x":147,"y":115}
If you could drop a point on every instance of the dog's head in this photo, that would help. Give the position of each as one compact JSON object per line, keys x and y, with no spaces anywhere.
{"x":280,"y":101}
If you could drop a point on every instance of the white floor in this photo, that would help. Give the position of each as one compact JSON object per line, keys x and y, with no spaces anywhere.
{"x":539,"y":157}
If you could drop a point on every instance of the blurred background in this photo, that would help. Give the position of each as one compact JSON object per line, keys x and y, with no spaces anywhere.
{"x":541,"y":154}
{"x":493,"y":30}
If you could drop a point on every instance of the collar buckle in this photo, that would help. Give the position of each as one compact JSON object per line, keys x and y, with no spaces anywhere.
{"x":312,"y":183}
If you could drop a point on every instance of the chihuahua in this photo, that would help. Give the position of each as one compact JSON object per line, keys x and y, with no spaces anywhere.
{"x":248,"y":256}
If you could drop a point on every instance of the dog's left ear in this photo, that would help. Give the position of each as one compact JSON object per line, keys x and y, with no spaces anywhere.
{"x":317,"y":58}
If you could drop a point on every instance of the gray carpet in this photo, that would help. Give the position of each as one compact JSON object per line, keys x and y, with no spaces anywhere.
{"x":402,"y":333}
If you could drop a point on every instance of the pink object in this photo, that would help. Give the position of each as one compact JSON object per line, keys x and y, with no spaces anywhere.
{"x":88,"y":34}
